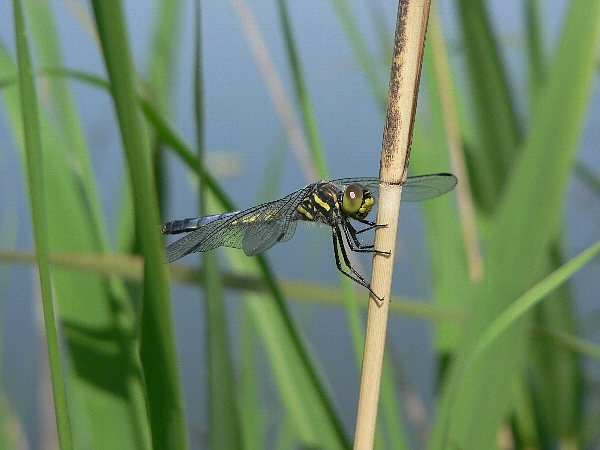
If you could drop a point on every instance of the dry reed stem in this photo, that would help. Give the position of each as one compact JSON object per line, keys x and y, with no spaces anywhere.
{"x":274,"y":84}
{"x":409,"y":40}
{"x":466,"y":209}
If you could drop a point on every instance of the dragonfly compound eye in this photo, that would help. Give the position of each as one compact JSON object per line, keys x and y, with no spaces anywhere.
{"x":357,"y":201}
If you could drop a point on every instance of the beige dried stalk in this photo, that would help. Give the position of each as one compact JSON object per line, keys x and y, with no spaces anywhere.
{"x":409,"y":41}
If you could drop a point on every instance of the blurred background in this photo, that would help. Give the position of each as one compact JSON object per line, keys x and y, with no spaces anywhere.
{"x":248,"y":152}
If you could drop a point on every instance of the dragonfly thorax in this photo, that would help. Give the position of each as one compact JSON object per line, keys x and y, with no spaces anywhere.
{"x":321,"y":204}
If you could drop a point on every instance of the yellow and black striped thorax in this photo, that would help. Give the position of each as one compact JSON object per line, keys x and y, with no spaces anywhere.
{"x":321,"y":204}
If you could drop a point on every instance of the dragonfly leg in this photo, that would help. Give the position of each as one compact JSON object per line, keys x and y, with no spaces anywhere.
{"x":370,"y":225}
{"x":355,"y":244}
{"x":338,"y":245}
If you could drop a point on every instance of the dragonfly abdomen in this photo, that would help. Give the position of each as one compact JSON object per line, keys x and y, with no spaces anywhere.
{"x":187,"y":225}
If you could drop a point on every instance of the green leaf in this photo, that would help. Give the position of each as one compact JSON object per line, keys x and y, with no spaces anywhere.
{"x":35,"y":177}
{"x":506,"y":321}
{"x":498,"y":135}
{"x":519,"y":238}
{"x":157,"y":348}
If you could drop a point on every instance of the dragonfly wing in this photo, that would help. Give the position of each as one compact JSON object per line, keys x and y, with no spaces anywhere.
{"x":258,"y":239}
{"x":424,"y":187}
{"x":415,"y":189}
{"x":254,"y":230}
{"x":183,"y":246}
{"x":343,"y":183}
{"x":212,"y":235}
{"x":291,"y":229}
{"x":273,"y":224}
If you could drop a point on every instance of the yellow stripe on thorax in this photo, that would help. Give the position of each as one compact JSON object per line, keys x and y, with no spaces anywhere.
{"x":307,"y":214}
{"x":321,"y":203}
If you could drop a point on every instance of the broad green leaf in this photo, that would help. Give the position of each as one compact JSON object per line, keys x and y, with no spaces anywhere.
{"x":519,"y":238}
{"x":157,"y":347}
{"x":84,"y":300}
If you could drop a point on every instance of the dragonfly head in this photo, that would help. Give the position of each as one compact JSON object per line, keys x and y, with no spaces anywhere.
{"x":357,"y":201}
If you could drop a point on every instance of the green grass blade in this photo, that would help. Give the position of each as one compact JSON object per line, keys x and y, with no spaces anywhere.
{"x":554,"y":373}
{"x":294,"y":372}
{"x":446,"y":247}
{"x":321,"y":417}
{"x":307,"y":109}
{"x":547,"y":156}
{"x":69,"y":129}
{"x":163,"y":57}
{"x":324,"y":414}
{"x":494,"y":113}
{"x":188,"y":157}
{"x":314,"y":421}
{"x":362,"y":55}
{"x":8,"y":240}
{"x":525,"y":426}
{"x":251,"y":413}
{"x":534,"y":42}
{"x":307,"y":112}
{"x":94,"y":378}
{"x":588,"y":434}
{"x":508,"y":319}
{"x":570,"y":342}
{"x":223,"y":405}
{"x":225,"y":423}
{"x":163,"y":54}
{"x":157,"y":350}
{"x":523,"y":232}
{"x":35,"y":176}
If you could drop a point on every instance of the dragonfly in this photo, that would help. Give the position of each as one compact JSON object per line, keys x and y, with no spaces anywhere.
{"x":334,"y":203}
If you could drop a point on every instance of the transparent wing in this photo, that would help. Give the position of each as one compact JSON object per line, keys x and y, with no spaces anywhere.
{"x":254,"y":230}
{"x":415,"y":189}
{"x":258,"y":239}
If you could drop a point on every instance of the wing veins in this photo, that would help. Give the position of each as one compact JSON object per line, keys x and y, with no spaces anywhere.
{"x":231,"y":231}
